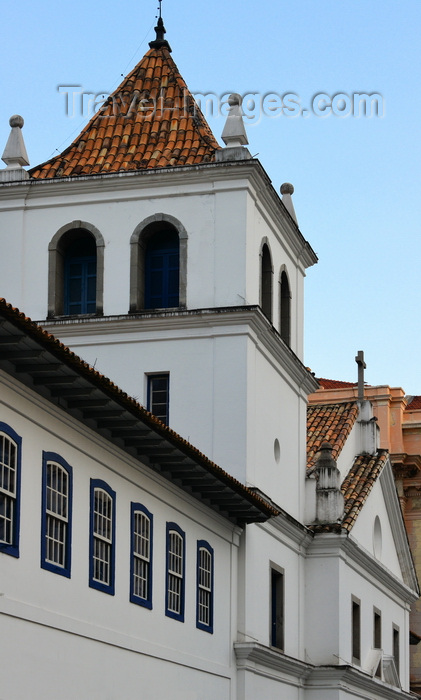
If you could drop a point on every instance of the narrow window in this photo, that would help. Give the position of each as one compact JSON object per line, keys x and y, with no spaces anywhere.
{"x":102,"y":537}
{"x":204,"y":604}
{"x":266,"y":282}
{"x":141,"y":563}
{"x":174,"y":603}
{"x":56,"y":514}
{"x":80,"y":276}
{"x":377,"y":637}
{"x":162,"y":270}
{"x":285,"y":309}
{"x":10,"y":449}
{"x":356,"y":632}
{"x":396,"y":650}
{"x":159,"y":396}
{"x":377,"y":630}
{"x":277,"y":609}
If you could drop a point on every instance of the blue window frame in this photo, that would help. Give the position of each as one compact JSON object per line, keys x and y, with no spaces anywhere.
{"x":141,"y":547}
{"x":10,"y":468}
{"x":102,"y":537}
{"x":56,"y":524}
{"x":204,"y":586}
{"x":159,"y":396}
{"x":175,"y":572}
{"x":162,"y":270}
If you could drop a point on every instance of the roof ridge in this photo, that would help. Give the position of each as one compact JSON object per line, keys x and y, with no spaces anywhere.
{"x":151,"y":120}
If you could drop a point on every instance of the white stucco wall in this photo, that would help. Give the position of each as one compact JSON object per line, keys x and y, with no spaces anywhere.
{"x":60,"y":625}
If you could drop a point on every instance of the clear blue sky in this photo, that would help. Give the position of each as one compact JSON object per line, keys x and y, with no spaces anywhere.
{"x":357,"y":180}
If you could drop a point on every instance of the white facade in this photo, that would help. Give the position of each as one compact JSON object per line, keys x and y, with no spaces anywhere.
{"x":283,"y":591}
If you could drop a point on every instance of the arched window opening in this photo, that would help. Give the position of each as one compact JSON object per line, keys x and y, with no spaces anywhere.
{"x":285,"y":309}
{"x":158,"y":264}
{"x":76,"y":271}
{"x":80,"y":275}
{"x":162,"y":270}
{"x":266,"y":282}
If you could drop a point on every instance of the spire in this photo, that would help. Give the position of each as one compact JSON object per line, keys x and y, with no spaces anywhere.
{"x":150,"y":121}
{"x":160,"y":31}
{"x":234,"y":134}
{"x":15,"y":155}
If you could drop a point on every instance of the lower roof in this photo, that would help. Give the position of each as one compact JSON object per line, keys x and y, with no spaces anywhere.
{"x":37,"y":359}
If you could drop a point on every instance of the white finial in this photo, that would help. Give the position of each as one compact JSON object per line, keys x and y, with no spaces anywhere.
{"x":234,"y":133}
{"x":286,"y":191}
{"x":15,"y":155}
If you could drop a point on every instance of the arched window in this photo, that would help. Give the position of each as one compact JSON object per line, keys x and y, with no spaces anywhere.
{"x":285,"y":302}
{"x":56,"y":524}
{"x":10,"y":460}
{"x":102,"y":537}
{"x":158,"y":264}
{"x":266,"y":282}
{"x":162,"y":270}
{"x":75,"y":282}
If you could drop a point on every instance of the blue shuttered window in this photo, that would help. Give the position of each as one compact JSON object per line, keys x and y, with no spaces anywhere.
{"x":204,"y":578}
{"x":56,"y":526}
{"x":10,"y":463}
{"x":162,"y":271}
{"x":141,"y":556}
{"x":102,"y":537}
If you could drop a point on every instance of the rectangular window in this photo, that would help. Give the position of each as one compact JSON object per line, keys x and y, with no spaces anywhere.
{"x":102,"y":537}
{"x":356,"y":632}
{"x":377,"y":637}
{"x":141,"y":562}
{"x":174,"y":603}
{"x":396,"y":650}
{"x":56,"y":514}
{"x":159,"y":396}
{"x":204,"y":604}
{"x":10,"y":456}
{"x":377,"y":629}
{"x":277,"y":609}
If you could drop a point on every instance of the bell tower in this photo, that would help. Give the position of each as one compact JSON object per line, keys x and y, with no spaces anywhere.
{"x":174,"y":267}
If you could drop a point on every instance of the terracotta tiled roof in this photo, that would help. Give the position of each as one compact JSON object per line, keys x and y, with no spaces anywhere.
{"x":334,"y":383}
{"x":329,"y":423}
{"x":414,"y":404}
{"x":16,"y":328}
{"x":150,"y":121}
{"x":358,"y":484}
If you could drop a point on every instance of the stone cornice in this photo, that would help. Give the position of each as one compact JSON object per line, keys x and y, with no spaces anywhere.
{"x":229,"y":319}
{"x":272,"y":663}
{"x":202,"y":179}
{"x":347,"y":549}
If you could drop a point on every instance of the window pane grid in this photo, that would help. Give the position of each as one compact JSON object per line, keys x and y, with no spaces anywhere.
{"x":175,"y":572}
{"x":8,"y":466}
{"x":102,"y":537}
{"x":205,"y":586}
{"x":141,"y":554}
{"x":57,"y":514}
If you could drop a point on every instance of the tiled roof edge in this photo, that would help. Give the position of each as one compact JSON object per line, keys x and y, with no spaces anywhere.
{"x":62,"y":352}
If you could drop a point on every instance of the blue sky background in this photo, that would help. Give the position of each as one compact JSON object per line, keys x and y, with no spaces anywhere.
{"x":357,"y":180}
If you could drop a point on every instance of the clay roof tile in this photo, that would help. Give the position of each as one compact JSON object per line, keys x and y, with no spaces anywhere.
{"x":184,"y":135}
